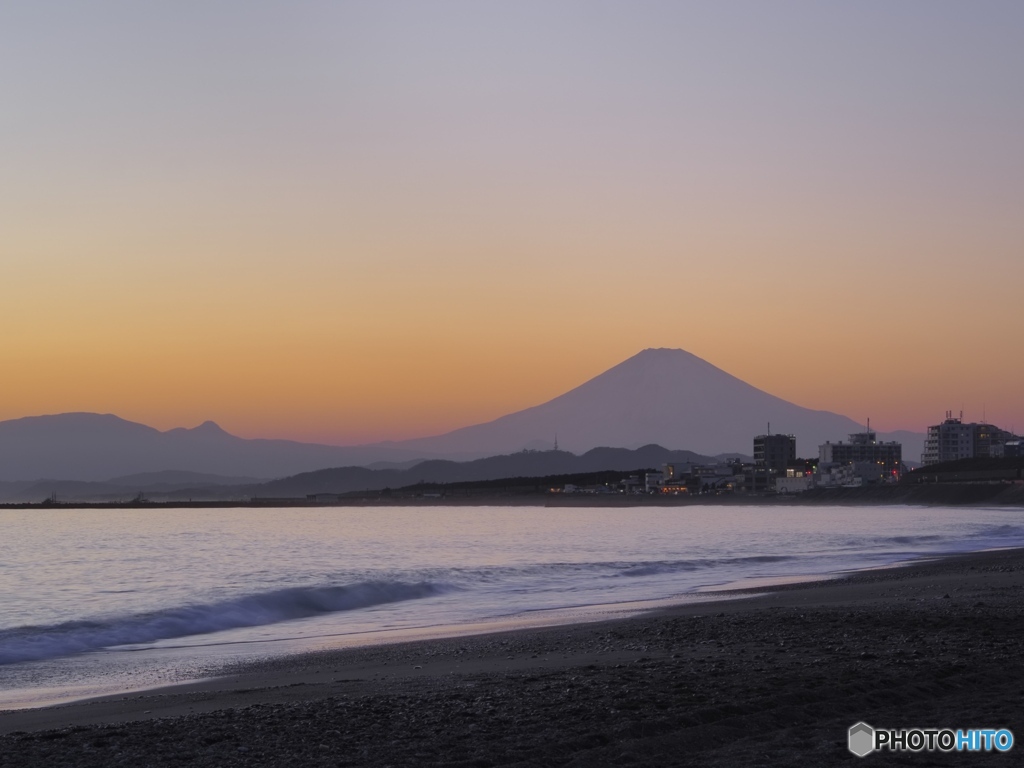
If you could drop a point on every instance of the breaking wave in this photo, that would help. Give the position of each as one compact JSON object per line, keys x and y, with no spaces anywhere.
{"x":34,"y":643}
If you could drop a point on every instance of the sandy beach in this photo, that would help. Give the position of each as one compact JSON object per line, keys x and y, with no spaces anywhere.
{"x":774,"y":679}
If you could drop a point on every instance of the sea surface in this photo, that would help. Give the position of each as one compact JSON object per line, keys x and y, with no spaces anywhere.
{"x":104,"y":601}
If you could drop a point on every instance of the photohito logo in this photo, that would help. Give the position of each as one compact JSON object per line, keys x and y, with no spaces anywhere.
{"x":862,"y":739}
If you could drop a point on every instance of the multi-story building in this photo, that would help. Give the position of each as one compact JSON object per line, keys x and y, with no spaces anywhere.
{"x":675,"y":473}
{"x":872,"y":459}
{"x":987,"y":437}
{"x":1011,"y":449}
{"x":774,"y":452}
{"x":952,"y":440}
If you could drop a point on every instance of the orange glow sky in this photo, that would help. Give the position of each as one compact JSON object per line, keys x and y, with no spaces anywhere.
{"x":347,"y":222}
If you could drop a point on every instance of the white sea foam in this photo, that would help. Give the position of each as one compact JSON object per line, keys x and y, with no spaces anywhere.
{"x":32,"y":643}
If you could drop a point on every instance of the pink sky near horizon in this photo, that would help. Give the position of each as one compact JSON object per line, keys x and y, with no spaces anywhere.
{"x":348,"y":222}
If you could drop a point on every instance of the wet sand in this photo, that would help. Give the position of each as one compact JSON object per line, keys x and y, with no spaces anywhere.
{"x":775,"y":679}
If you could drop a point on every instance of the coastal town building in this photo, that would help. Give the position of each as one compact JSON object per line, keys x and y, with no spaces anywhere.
{"x":952,"y":440}
{"x":873,"y":460}
{"x":675,"y":473}
{"x":1011,"y":449}
{"x":796,"y":480}
{"x":837,"y":476}
{"x":774,"y":452}
{"x":654,"y":481}
{"x":631,"y":485}
{"x":756,"y":479}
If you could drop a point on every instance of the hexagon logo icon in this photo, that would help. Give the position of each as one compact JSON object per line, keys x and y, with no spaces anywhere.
{"x":861,"y":740}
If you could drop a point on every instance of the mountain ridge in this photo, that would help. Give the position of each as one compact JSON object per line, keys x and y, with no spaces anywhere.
{"x":726,"y":413}
{"x":181,"y":486}
{"x":91,"y":447}
{"x":661,"y":396}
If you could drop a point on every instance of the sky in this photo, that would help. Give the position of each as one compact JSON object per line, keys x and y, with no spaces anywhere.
{"x":356,"y":221}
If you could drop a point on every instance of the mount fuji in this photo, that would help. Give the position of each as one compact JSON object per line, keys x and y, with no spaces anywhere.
{"x":664,"y":396}
{"x":667,"y":397}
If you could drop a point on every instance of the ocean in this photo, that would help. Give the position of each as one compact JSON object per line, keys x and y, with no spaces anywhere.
{"x":96,"y":602}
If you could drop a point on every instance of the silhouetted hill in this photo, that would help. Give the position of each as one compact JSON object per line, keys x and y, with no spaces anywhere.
{"x":187,"y":485}
{"x":522,"y":464}
{"x":95,"y":447}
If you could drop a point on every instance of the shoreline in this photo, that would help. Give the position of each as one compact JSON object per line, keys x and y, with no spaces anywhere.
{"x":944,"y":630}
{"x":529,"y":620}
{"x":997,"y":494}
{"x":234,"y":673}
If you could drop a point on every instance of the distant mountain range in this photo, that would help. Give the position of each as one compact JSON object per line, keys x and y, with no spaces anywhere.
{"x":181,"y":486}
{"x":93,"y":447}
{"x":666,"y":397}
{"x":521,"y":464}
